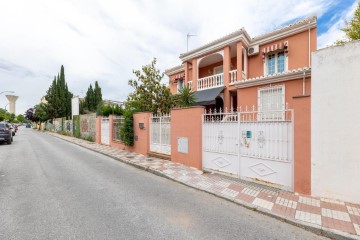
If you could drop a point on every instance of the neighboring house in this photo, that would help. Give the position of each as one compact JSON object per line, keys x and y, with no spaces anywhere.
{"x":43,"y":100}
{"x":234,"y":71}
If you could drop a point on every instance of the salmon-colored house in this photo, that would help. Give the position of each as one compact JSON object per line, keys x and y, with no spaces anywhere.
{"x":269,"y":72}
{"x":229,"y":71}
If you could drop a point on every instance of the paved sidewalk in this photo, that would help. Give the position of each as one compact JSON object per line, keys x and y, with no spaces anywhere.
{"x":332,"y":218}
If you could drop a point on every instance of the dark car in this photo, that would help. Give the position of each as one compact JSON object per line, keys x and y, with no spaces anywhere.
{"x":5,"y":133}
{"x":28,"y":125}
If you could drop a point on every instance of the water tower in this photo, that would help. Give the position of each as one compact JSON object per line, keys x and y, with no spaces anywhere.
{"x":12,"y":100}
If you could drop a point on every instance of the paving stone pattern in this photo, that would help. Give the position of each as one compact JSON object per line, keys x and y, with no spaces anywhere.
{"x":327,"y":214}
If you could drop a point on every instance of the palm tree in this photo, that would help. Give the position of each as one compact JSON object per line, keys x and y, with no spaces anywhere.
{"x":185,"y":97}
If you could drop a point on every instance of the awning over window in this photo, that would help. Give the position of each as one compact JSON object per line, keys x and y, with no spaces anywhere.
{"x":207,"y":97}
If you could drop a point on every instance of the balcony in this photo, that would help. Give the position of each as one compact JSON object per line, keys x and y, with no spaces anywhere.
{"x":212,"y":81}
{"x":233,"y":76}
{"x":189,"y":84}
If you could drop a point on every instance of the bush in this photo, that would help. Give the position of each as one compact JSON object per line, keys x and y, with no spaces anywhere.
{"x":127,"y":130}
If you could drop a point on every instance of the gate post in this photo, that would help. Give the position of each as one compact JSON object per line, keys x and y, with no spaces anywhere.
{"x":302,"y":144}
{"x":98,"y":129}
{"x":186,"y":124}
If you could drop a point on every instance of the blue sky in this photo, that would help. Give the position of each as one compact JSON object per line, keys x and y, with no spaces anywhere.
{"x":336,"y":13}
{"x":105,"y":40}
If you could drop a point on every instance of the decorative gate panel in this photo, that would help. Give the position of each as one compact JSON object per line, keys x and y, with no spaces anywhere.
{"x":221,"y":142}
{"x":160,"y":141}
{"x":250,"y":144}
{"x":105,"y":131}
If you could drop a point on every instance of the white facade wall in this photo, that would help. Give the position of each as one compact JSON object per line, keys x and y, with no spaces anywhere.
{"x":75,"y":105}
{"x":335,"y":122}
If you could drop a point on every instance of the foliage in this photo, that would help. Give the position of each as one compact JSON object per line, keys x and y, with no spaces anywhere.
{"x":150,"y":94}
{"x":58,"y":97}
{"x":87,"y":138}
{"x":5,"y":115}
{"x":40,"y":112}
{"x":20,"y":118}
{"x":109,"y":109}
{"x":127,"y":130}
{"x":76,"y":126}
{"x":29,"y":115}
{"x":92,"y":99}
{"x":185,"y":98}
{"x":352,"y":29}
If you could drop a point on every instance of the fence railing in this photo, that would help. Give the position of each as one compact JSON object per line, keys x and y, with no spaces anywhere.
{"x":210,"y":82}
{"x":233,"y":76}
{"x":247,"y":115}
{"x":118,"y":122}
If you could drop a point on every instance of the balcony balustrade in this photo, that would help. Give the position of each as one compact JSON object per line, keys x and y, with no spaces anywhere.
{"x":212,"y":81}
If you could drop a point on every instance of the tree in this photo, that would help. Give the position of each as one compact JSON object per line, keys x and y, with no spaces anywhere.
{"x":2,"y":114}
{"x":21,"y":118}
{"x":185,"y":98}
{"x":97,"y":95}
{"x":5,"y":115}
{"x":40,"y":113}
{"x":90,"y":99}
{"x":58,"y":97}
{"x":29,"y":114}
{"x":352,"y":29}
{"x":93,"y":99}
{"x":150,"y":94}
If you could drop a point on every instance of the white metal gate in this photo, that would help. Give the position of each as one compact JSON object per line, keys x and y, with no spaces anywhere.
{"x":250,"y":144}
{"x":160,"y":141}
{"x":105,"y":131}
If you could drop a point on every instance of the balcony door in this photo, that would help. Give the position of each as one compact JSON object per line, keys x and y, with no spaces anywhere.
{"x":218,"y":69}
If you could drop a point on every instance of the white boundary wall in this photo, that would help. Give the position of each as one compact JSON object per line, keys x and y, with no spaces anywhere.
{"x":335,"y":124}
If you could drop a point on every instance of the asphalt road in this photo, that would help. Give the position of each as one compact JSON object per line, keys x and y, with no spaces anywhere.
{"x":52,"y":189}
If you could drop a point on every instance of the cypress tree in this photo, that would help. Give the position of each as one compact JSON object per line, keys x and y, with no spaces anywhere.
{"x":58,"y":97}
{"x":97,"y":95}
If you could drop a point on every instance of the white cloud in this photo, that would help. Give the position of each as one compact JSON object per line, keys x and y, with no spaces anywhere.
{"x":334,"y":32}
{"x":104,"y":40}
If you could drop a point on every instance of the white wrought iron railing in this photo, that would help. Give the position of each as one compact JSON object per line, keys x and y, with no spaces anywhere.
{"x":118,"y":122}
{"x":216,"y":80}
{"x":263,"y":135}
{"x":160,"y":138}
{"x":233,"y":76}
{"x":247,"y":115}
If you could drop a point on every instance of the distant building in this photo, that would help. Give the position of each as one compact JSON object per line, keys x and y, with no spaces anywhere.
{"x":43,"y":100}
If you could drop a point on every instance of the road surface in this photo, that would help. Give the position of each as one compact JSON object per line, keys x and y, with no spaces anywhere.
{"x":52,"y":189}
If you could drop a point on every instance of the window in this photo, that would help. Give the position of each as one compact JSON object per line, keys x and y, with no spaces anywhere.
{"x":275,"y":63}
{"x":271,"y":102}
{"x":180,"y":85}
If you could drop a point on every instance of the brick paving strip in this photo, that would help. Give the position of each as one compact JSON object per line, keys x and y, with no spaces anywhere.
{"x":332,"y":218}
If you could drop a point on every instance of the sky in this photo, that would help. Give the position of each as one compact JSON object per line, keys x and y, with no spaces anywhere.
{"x":104,"y":40}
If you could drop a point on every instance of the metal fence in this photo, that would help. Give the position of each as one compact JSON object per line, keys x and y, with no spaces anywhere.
{"x":118,"y":122}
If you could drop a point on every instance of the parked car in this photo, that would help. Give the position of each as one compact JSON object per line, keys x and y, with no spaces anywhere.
{"x":28,"y":125}
{"x":5,"y":133}
{"x":13,"y":129}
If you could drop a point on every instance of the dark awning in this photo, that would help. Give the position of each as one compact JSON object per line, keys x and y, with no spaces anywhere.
{"x":207,"y":97}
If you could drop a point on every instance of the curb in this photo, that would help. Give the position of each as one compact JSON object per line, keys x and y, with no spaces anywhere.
{"x":319,"y":230}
